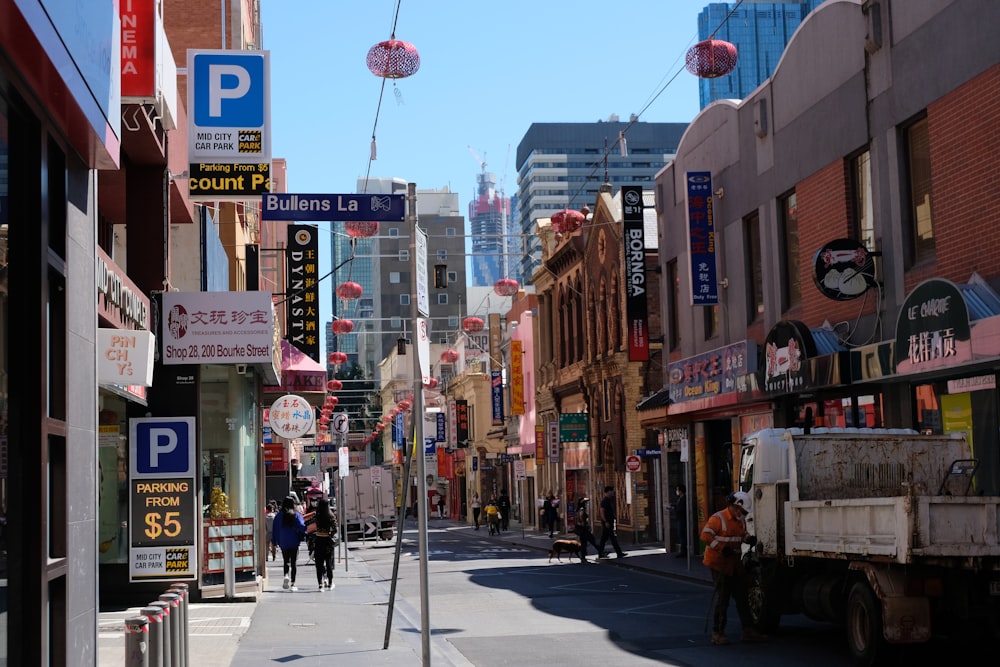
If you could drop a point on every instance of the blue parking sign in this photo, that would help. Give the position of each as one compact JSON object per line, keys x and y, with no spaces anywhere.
{"x":229,"y":89}
{"x":162,"y":447}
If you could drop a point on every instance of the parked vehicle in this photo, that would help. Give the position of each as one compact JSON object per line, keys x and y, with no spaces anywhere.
{"x":369,"y":502}
{"x":879,"y":530}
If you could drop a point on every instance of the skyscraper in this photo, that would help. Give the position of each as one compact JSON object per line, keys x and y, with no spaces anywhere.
{"x":491,"y":242}
{"x":760,"y":31}
{"x":562,"y":165}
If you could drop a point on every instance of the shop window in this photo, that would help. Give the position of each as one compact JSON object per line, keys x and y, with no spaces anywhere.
{"x":791,"y":288}
{"x":755,"y":280}
{"x":920,"y":230}
{"x":862,"y":213}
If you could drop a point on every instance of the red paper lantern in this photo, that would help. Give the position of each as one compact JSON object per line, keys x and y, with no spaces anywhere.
{"x":711,"y":58}
{"x":361,"y":230}
{"x":449,"y":356}
{"x":567,"y":221}
{"x":338,"y":358}
{"x":349,"y":290}
{"x":506,"y":287}
{"x":393,"y":59}
{"x":326,"y":411}
{"x":342,"y":326}
{"x":324,"y":420}
{"x":334,"y":384}
{"x":473,"y":324}
{"x":431,"y":383}
{"x":404,"y":405}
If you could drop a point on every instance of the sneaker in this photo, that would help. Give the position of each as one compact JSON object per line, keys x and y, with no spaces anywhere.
{"x":752,"y":635}
{"x":622,"y":555}
{"x":719,"y":639}
{"x":294,"y":588}
{"x":287,"y":582}
{"x":330,"y":584}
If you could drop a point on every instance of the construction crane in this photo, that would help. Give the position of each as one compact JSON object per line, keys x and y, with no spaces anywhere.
{"x":480,"y":160}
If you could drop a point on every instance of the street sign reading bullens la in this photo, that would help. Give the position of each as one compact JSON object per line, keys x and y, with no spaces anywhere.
{"x":341,"y":208}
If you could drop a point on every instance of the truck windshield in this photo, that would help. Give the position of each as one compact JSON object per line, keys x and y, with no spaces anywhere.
{"x":746,"y":465}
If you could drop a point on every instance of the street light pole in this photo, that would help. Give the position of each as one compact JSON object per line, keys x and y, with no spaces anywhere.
{"x":417,"y":415}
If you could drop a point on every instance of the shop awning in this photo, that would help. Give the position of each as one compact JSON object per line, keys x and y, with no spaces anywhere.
{"x":299,"y":372}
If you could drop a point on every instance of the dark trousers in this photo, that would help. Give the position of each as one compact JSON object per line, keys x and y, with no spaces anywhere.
{"x":586,"y":537}
{"x":727,"y":587}
{"x":288,"y":557}
{"x":608,"y":532}
{"x":550,"y":523}
{"x":323,"y":551}
{"x":476,"y":511}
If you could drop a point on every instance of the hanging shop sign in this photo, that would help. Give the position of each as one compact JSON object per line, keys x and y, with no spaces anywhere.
{"x":291,"y":416}
{"x":574,"y":427}
{"x":932,"y":329}
{"x":844,"y":269}
{"x":302,"y":260}
{"x":636,"y":308}
{"x":701,"y":239}
{"x":217,"y":328}
{"x":787,"y":346}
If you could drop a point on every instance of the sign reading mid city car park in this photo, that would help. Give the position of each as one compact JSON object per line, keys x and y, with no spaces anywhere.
{"x":163,"y":507}
{"x":229,"y":126}
{"x":342,"y":208}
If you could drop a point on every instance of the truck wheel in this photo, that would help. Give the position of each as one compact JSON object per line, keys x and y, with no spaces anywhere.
{"x":864,"y":625}
{"x":763,"y":608}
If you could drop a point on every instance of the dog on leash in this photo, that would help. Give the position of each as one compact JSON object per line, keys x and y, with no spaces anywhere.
{"x":560,"y":547}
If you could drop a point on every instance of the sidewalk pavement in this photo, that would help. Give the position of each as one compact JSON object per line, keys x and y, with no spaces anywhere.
{"x":276,"y":625}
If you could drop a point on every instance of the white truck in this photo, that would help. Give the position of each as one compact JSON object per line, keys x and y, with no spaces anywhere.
{"x":367,"y":502}
{"x":879,"y":530}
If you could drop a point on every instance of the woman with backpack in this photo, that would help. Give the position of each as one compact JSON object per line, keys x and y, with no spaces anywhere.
{"x":323,"y":540}
{"x":287,"y":532}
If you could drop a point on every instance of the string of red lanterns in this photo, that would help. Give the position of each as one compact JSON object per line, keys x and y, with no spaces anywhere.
{"x":342,"y":326}
{"x":473,"y":324}
{"x":349,"y":290}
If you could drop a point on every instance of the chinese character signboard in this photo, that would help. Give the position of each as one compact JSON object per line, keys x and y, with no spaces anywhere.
{"x":217,"y":328}
{"x":496,"y":394}
{"x":462,"y":423}
{"x":701,"y":239}
{"x":291,"y":416}
{"x":932,"y":330}
{"x":516,"y":378}
{"x":574,"y":427}
{"x":712,"y":373}
{"x":303,"y":289}
{"x":635,"y":273}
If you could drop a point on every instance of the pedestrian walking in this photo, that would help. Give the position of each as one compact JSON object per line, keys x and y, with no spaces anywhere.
{"x":609,"y":524}
{"x":724,"y":535}
{"x":477,"y":509}
{"x":323,"y":540}
{"x":503,"y":503}
{"x":287,"y":532}
{"x":582,"y":529}
{"x":549,"y":513}
{"x":272,"y":509}
{"x":679,"y":513}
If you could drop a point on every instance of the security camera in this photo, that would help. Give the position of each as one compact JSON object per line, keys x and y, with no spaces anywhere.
{"x":241,"y":369}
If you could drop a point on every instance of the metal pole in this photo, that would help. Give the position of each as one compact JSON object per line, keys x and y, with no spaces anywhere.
{"x":137,"y":642}
{"x":155,"y":617}
{"x":418,"y":434}
{"x":343,"y":498}
{"x":184,"y":593}
{"x":229,"y":567}
{"x":400,"y":520}
{"x":165,"y":632}
{"x":175,"y":627}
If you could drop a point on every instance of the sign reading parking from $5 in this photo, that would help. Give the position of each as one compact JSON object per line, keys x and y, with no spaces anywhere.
{"x":163,"y":518}
{"x":230,"y":94}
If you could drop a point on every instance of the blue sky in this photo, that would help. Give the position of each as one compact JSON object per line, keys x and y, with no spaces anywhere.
{"x":487,"y":71}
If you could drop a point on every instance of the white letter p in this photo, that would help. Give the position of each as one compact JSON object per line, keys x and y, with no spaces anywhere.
{"x":216,"y":93}
{"x":161,"y":441}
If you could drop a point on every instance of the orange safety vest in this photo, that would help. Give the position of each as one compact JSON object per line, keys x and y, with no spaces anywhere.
{"x":721,"y":531}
